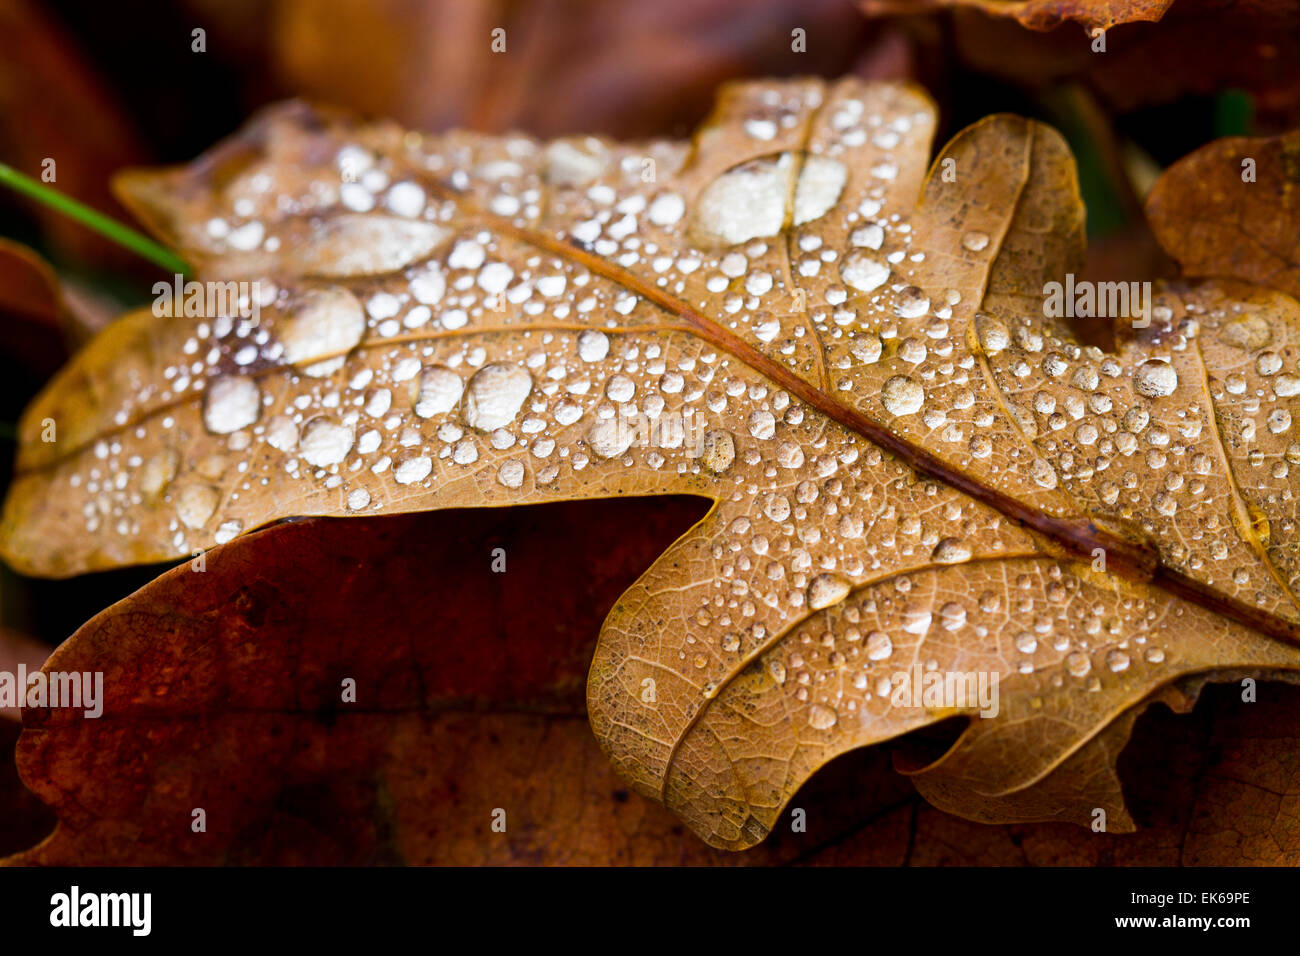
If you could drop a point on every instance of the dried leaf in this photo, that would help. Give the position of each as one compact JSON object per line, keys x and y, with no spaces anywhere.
{"x":225,"y":693}
{"x":1036,"y":14}
{"x":1231,"y":208}
{"x":911,"y":463}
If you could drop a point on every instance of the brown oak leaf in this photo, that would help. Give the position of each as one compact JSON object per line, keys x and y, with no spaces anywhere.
{"x":917,"y":471}
{"x":1037,"y":14}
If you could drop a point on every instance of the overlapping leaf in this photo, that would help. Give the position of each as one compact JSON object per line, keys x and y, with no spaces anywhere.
{"x":912,"y":465}
{"x":1037,"y":14}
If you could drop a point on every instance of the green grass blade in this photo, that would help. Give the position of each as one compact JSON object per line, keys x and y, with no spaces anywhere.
{"x":93,"y":219}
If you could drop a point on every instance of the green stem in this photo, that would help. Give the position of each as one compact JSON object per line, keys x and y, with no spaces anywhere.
{"x":93,"y":219}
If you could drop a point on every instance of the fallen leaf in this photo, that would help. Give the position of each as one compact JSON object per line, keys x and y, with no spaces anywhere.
{"x":622,"y":69}
{"x":1200,"y":48}
{"x":1037,"y":14}
{"x":1231,"y":208}
{"x":471,"y":700}
{"x":914,"y":466}
{"x":224,"y":692}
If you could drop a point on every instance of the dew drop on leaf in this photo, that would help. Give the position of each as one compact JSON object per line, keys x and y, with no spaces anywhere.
{"x":230,"y":403}
{"x":902,"y":396}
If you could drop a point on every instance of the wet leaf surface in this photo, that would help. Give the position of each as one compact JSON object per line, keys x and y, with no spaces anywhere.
{"x":916,"y":468}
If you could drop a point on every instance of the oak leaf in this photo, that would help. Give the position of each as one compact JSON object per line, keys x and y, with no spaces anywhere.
{"x":915,"y":468}
{"x":224,"y":692}
{"x":1037,"y":14}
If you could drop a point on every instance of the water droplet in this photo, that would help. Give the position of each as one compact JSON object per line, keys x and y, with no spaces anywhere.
{"x":1117,"y":660}
{"x":1043,"y":473}
{"x":718,"y":451}
{"x":866,"y":349}
{"x":1286,"y":386}
{"x":952,"y":616}
{"x":975,"y":241}
{"x":992,"y":333}
{"x":495,"y":395}
{"x":1155,"y":378}
{"x":413,"y":470}
{"x":902,"y":396}
{"x":879,"y":646}
{"x":666,"y":209}
{"x":231,"y":403}
{"x":1250,"y":332}
{"x":825,"y":590}
{"x":325,"y":322}
{"x":744,"y":203}
{"x":610,"y":437}
{"x":951,"y":551}
{"x":358,"y":498}
{"x":158,"y":471}
{"x":863,"y":272}
{"x":820,"y":183}
{"x":325,"y":442}
{"x":195,"y":505}
{"x":437,"y":390}
{"x":593,"y":346}
{"x":511,"y":473}
{"x":1078,"y":663}
{"x":762,"y":424}
{"x":821,"y":718}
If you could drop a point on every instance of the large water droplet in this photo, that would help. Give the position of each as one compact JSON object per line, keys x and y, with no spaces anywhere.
{"x":879,"y":646}
{"x":1078,"y":663}
{"x":825,"y":590}
{"x":820,"y":183}
{"x":744,"y":203}
{"x":231,"y":403}
{"x":902,"y":396}
{"x":611,"y":437}
{"x":325,"y":442}
{"x":356,"y":245}
{"x":495,"y":395}
{"x":437,"y":390}
{"x":863,"y":272}
{"x":511,"y":473}
{"x":413,"y":470}
{"x":951,"y":551}
{"x":325,"y":322}
{"x":912,"y":303}
{"x":1155,"y":378}
{"x":992,"y":333}
{"x":821,"y":718}
{"x":195,"y":505}
{"x":1250,"y":332}
{"x":593,"y":346}
{"x":718,"y":451}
